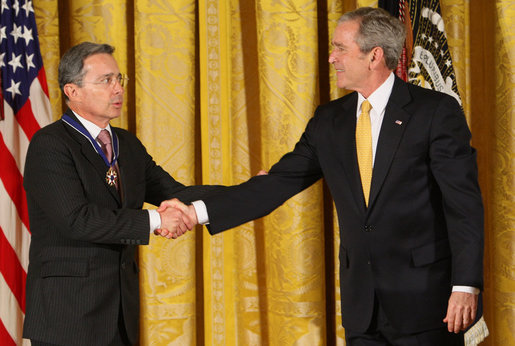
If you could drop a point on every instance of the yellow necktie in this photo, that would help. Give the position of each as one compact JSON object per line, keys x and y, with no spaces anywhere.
{"x":364,"y":148}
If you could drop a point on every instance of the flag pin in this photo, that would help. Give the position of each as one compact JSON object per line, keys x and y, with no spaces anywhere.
{"x":398,"y":122}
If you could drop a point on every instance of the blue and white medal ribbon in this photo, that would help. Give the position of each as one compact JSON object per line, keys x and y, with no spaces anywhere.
{"x":111,"y":176}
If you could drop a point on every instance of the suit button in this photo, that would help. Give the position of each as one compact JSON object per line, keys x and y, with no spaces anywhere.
{"x":368,"y":262}
{"x":123,"y":265}
{"x":368,"y":228}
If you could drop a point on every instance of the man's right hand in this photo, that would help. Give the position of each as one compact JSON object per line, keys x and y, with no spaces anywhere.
{"x":175,"y":219}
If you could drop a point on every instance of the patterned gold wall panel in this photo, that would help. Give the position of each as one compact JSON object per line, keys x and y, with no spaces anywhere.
{"x":455,"y":14}
{"x":164,"y":59}
{"x":363,"y":3}
{"x":100,"y":21}
{"x":492,"y":120}
{"x":219,"y":261}
{"x":294,"y":250}
{"x":232,"y":296}
{"x":482,"y":102}
{"x":245,"y":161}
{"x":47,"y":21}
{"x":502,"y":172}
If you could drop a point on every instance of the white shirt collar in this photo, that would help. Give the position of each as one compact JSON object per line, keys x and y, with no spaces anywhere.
{"x":379,"y":98}
{"x":92,"y":128}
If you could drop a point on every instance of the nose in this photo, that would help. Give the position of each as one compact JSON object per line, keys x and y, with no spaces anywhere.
{"x":117,"y":87}
{"x":332,"y":59}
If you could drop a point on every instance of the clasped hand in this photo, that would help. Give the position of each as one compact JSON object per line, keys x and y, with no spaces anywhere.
{"x":176,"y":218}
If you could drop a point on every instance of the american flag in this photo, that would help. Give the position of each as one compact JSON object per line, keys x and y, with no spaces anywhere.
{"x":24,"y":108}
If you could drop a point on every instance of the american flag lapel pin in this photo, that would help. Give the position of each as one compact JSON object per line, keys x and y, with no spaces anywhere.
{"x":398,"y":122}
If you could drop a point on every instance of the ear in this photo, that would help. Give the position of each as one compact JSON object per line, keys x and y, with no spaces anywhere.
{"x":71,"y":90}
{"x":376,"y":57}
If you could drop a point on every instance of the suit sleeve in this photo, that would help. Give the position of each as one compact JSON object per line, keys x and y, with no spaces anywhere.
{"x":59,"y":194}
{"x":160,"y":185}
{"x":453,"y":164}
{"x":260,"y":195}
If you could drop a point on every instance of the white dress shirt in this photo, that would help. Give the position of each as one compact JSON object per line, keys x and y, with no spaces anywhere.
{"x":378,"y":100}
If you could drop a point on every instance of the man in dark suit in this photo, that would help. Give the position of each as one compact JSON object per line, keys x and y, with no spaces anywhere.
{"x":411,"y":235}
{"x":85,"y":197}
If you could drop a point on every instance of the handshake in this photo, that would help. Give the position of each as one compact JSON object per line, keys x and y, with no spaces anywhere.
{"x":176,"y":218}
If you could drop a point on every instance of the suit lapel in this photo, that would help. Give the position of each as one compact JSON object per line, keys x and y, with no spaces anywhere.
{"x":393,"y":126}
{"x":91,"y":155}
{"x":345,"y":132}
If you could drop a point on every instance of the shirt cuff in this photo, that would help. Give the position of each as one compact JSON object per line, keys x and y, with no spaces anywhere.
{"x":155,"y":219}
{"x":466,"y":289}
{"x":201,"y":210}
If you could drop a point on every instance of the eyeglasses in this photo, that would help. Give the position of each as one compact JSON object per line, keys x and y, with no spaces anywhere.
{"x":111,"y":79}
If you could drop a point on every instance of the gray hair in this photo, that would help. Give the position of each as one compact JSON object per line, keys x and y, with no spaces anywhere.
{"x":72,"y":62}
{"x":378,"y":28}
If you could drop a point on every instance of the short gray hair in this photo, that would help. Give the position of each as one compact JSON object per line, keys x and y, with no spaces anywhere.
{"x":72,"y":62}
{"x":378,"y":28}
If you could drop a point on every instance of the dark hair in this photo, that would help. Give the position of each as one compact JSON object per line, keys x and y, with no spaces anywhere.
{"x":378,"y":28}
{"x":72,"y":62}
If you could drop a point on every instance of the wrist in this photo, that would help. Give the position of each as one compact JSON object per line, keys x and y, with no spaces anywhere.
{"x":192,"y":214}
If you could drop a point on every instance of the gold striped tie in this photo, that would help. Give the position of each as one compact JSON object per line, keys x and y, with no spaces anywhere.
{"x":364,"y":148}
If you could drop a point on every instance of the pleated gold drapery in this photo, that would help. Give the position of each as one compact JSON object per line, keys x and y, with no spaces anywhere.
{"x":220,"y":89}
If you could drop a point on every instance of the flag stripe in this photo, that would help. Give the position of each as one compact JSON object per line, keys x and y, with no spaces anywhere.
{"x":12,"y":271}
{"x":13,"y":182}
{"x":26,"y":120}
{"x":5,"y":336}
{"x":43,"y":84}
{"x":15,"y":138}
{"x":16,"y":233}
{"x":10,"y":314}
{"x":39,"y":99}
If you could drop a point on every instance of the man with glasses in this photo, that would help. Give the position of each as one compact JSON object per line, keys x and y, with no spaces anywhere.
{"x":86,"y":183}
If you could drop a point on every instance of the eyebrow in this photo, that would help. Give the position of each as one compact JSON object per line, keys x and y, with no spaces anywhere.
{"x":109,"y":74}
{"x":337,"y":44}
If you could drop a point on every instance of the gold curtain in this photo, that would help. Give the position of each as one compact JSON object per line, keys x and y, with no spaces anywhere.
{"x":220,"y":89}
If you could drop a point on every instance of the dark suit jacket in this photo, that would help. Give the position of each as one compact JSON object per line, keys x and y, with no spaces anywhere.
{"x":423,"y":229}
{"x":82,"y":256}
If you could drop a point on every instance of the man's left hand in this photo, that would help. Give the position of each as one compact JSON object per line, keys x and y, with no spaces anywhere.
{"x":461,"y":311}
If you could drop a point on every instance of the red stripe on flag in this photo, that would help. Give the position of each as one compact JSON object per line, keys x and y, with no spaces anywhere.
{"x":5,"y":337}
{"x":26,"y":120}
{"x":12,"y":271}
{"x":13,"y":182}
{"x":42,"y":80}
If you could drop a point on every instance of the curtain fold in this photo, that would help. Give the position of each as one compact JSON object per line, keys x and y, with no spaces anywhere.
{"x":294,"y":235}
{"x":164,"y":82}
{"x":216,"y":126}
{"x":221,"y":89}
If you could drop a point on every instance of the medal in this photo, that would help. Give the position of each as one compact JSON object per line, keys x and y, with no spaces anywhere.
{"x":111,"y":177}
